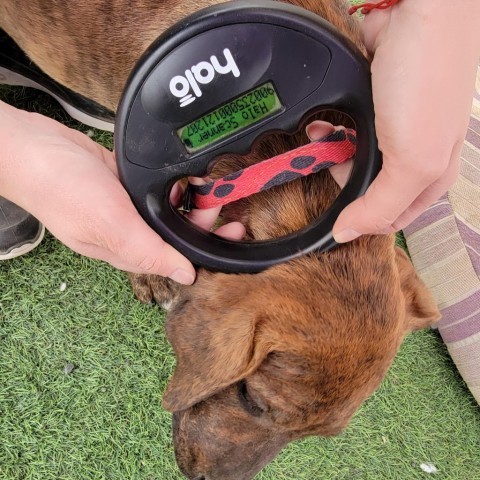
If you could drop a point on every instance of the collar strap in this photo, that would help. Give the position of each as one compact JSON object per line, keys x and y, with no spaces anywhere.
{"x":330,"y":150}
{"x":368,"y":7}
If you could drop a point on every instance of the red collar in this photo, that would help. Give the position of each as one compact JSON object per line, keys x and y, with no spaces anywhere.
{"x":330,"y":150}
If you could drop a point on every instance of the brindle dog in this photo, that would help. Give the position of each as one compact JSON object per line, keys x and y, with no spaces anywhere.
{"x":261,"y":359}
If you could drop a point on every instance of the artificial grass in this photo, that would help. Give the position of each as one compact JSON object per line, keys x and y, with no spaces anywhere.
{"x":104,"y":420}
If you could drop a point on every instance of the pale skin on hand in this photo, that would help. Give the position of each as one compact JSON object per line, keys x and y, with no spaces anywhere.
{"x":425,"y":56}
{"x":70,"y":183}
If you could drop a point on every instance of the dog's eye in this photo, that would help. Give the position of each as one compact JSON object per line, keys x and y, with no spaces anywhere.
{"x":247,"y":401}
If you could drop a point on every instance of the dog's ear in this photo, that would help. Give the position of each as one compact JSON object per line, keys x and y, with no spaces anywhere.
{"x":215,"y":346}
{"x":422,"y":311}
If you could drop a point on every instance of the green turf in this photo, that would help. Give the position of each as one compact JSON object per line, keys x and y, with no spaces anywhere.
{"x":104,"y":420}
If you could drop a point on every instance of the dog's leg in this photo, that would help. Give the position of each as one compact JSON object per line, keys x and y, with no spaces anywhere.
{"x":153,"y":288}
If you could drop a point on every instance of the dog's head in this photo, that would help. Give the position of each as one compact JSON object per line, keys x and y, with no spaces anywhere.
{"x":265,"y":359}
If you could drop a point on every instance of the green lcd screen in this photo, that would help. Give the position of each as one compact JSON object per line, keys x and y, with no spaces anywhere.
{"x":235,"y":115}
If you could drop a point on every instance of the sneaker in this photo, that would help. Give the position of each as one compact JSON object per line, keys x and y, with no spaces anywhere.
{"x":20,"y":232}
{"x":17,"y":69}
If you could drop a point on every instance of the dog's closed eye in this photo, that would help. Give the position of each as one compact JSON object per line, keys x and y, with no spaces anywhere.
{"x":252,"y":406}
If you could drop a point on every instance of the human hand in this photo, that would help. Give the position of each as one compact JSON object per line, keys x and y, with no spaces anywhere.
{"x":425,"y":56}
{"x":70,"y":183}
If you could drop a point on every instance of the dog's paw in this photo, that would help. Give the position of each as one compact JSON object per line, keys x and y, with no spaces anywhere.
{"x":153,"y":288}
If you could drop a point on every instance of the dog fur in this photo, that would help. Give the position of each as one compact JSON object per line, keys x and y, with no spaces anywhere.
{"x":262,"y":359}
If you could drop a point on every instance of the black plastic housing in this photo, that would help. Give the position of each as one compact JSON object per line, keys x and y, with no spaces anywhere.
{"x":312,"y":67}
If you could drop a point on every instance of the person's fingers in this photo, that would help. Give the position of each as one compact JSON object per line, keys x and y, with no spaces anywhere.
{"x":135,"y":247}
{"x":341,"y":172}
{"x":176,"y":194}
{"x":206,"y":218}
{"x":319,"y":129}
{"x":390,"y":194}
{"x":231,"y":231}
{"x":203,"y":218}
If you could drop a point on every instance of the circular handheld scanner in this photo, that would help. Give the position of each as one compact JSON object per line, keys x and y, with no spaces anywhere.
{"x":214,"y":83}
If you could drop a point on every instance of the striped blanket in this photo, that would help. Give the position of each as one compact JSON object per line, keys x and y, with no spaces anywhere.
{"x":444,"y":244}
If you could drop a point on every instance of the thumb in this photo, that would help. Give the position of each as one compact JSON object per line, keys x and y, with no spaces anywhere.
{"x":389,"y":195}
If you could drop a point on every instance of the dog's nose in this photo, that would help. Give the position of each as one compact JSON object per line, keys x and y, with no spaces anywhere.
{"x":201,"y":477}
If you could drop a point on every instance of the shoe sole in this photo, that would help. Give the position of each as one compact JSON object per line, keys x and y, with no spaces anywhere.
{"x":25,"y":248}
{"x":11,"y":78}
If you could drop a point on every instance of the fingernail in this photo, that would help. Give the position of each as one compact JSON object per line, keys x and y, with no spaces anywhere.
{"x":182,"y":276}
{"x":346,"y":235}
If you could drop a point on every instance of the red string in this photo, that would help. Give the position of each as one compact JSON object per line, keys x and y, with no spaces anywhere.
{"x":368,"y":7}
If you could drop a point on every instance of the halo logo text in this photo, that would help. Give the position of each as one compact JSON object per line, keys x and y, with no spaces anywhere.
{"x":201,"y":74}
